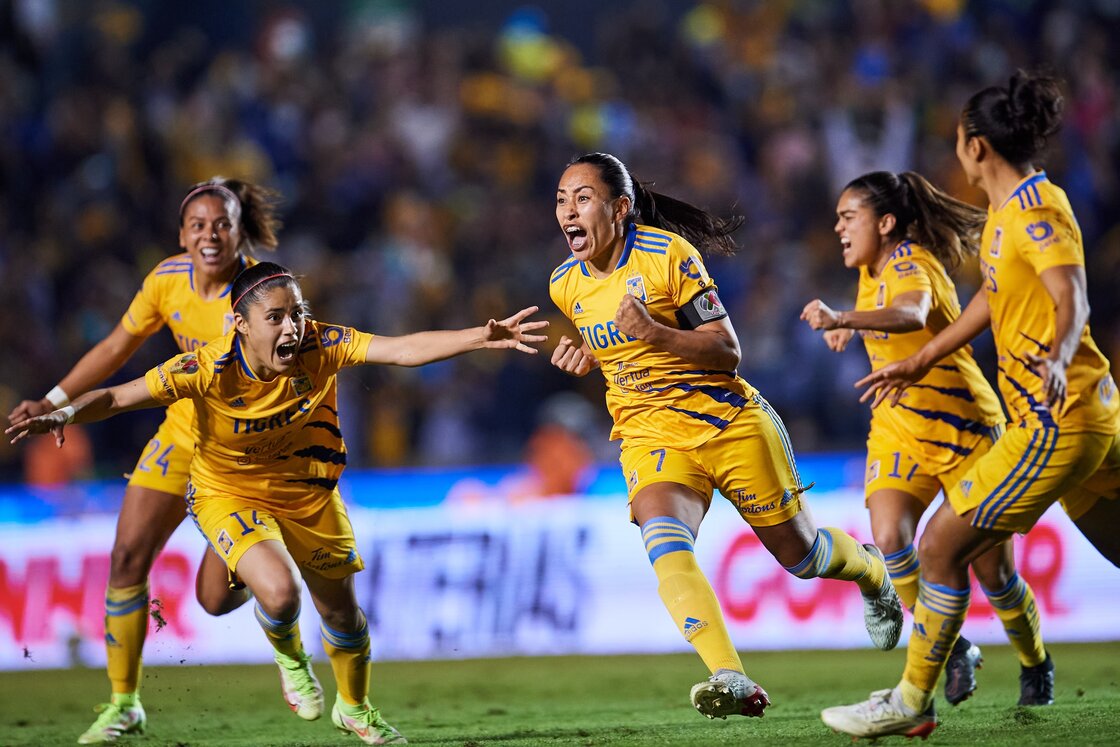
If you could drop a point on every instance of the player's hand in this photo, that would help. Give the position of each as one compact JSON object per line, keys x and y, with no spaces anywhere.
{"x":512,"y":331}
{"x":891,"y":381}
{"x":632,"y":317}
{"x":30,"y":408}
{"x":819,"y":315}
{"x":572,"y":358}
{"x":52,"y":422}
{"x":1054,"y":382}
{"x":838,"y":339}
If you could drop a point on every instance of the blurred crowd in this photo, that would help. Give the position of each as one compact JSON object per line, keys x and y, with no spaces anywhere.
{"x":417,"y":160}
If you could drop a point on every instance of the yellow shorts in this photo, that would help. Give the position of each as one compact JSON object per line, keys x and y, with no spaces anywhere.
{"x":1104,"y":483}
{"x":322,"y":543}
{"x":165,"y":463}
{"x":750,"y":462}
{"x":1028,"y":469}
{"x":894,"y":467}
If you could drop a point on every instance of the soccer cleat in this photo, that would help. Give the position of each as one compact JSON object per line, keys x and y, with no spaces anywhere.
{"x":960,"y":671}
{"x":302,"y":691}
{"x":882,"y":611}
{"x":366,"y":723}
{"x":883,"y":714}
{"x":1036,"y":684}
{"x":729,"y":693}
{"x":115,"y":721}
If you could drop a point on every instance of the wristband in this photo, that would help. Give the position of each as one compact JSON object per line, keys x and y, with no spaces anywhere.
{"x":68,"y":411}
{"x":57,"y":397}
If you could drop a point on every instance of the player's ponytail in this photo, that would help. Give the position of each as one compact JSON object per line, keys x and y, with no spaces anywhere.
{"x":703,"y":230}
{"x":251,"y":205}
{"x":1017,"y":120}
{"x":948,"y":228}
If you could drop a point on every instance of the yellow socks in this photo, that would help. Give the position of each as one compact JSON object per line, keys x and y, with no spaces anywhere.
{"x":349,"y":655}
{"x":282,"y":634}
{"x":687,"y":594}
{"x":126,"y":627}
{"x":938,"y":616}
{"x":1016,"y":607}
{"x":903,"y":569}
{"x":835,"y":554}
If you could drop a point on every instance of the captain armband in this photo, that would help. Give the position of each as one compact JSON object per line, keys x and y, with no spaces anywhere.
{"x":704,"y":307}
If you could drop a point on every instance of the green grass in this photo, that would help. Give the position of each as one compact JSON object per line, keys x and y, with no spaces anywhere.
{"x":587,"y":701}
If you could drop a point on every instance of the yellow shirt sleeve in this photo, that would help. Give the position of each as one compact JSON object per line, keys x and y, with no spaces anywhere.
{"x":687,"y":273}
{"x":143,"y":317}
{"x":1047,"y":237}
{"x":180,"y":377}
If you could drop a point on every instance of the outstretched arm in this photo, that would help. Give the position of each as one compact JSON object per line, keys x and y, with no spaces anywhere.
{"x":891,"y":380}
{"x":427,"y":347}
{"x":907,"y":313}
{"x":102,"y":361}
{"x":88,"y":408}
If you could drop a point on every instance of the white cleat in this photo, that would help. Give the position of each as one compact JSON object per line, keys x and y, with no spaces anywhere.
{"x":883,"y":714}
{"x":729,"y":693}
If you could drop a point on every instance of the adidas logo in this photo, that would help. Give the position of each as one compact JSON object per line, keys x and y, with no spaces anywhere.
{"x":577,"y":309}
{"x":966,"y":487}
{"x":176,"y":317}
{"x":237,"y":403}
{"x":692,"y":626}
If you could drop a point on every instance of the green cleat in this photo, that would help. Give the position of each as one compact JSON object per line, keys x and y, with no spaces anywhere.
{"x":365,"y":722}
{"x":116,"y":719}
{"x":302,"y":691}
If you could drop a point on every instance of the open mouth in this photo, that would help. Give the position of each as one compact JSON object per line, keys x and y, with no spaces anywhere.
{"x":210,"y":252}
{"x":577,"y":237}
{"x":287,"y":351}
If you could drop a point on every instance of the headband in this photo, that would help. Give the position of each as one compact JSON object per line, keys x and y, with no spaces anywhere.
{"x":220,"y":188}
{"x":254,"y":285}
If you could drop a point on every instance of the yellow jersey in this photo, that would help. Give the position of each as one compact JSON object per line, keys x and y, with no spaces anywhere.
{"x":939,"y":417}
{"x":654,"y":397}
{"x":1032,"y":231}
{"x":167,"y":296}
{"x":277,"y":442}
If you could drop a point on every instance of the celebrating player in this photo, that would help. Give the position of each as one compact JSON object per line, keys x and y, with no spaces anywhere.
{"x":220,"y":223}
{"x":263,"y":480}
{"x":651,"y":321}
{"x":1061,"y":398}
{"x":903,"y":233}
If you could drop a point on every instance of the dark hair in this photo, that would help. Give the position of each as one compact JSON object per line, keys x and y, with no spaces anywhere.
{"x":256,"y":206}
{"x":702,"y":229}
{"x":948,"y":228}
{"x":256,"y":280}
{"x":1016,"y":120}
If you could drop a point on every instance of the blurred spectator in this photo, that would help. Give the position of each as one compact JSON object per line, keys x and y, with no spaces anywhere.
{"x":415,"y":142}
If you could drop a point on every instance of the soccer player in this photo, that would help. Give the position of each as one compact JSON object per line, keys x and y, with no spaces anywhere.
{"x":264,"y":475}
{"x":220,"y":223}
{"x":903,"y":234}
{"x":1055,"y":383}
{"x":651,"y":320}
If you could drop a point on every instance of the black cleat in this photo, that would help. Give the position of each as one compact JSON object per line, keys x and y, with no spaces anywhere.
{"x":960,"y":671}
{"x":1036,"y":684}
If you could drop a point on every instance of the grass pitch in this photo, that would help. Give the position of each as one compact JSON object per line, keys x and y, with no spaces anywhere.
{"x":619,"y":701}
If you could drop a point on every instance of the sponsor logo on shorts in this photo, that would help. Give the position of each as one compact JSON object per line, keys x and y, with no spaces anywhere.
{"x":224,"y":542}
{"x":787,"y":496}
{"x":632,"y":480}
{"x":692,"y":626}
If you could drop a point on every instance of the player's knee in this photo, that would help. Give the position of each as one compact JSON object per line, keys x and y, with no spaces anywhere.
{"x":221,"y":602}
{"x":129,"y":563}
{"x":280,"y":599}
{"x":889,"y":537}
